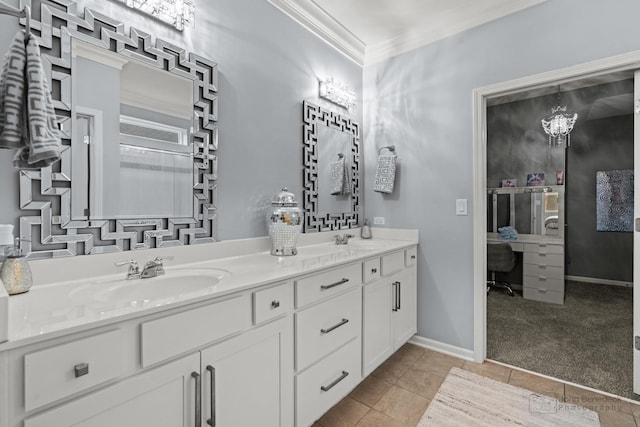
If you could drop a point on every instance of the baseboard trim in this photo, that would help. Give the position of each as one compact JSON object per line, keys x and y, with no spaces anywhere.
{"x":599,"y":281}
{"x":442,"y":347}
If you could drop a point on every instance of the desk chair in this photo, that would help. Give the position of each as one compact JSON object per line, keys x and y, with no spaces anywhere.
{"x":500,"y":258}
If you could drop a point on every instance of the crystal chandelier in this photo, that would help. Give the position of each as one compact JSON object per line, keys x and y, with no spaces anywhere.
{"x":178,"y":13}
{"x":558,"y":125}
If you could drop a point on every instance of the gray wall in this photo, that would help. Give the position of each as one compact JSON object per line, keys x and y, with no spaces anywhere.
{"x":421,"y":101}
{"x":516,"y":144}
{"x":268,"y":64}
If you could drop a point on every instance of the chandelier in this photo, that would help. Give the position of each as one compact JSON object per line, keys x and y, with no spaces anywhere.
{"x":558,"y":125}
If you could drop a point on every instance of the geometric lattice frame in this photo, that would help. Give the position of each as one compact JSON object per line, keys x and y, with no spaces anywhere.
{"x":52,"y":233}
{"x":313,"y":116}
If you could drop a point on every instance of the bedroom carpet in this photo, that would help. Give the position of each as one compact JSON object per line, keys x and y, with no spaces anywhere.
{"x":587,"y":341}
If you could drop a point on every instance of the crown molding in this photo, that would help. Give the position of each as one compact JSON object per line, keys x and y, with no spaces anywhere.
{"x":315,"y":19}
{"x":422,"y":36}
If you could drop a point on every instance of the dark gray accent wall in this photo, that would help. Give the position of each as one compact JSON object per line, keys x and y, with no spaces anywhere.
{"x":421,"y":101}
{"x":517,"y":144}
{"x":268,"y":65}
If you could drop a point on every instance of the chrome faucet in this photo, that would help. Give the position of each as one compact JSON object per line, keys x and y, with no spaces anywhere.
{"x":152,"y":268}
{"x":134,"y":269}
{"x":344,"y":239}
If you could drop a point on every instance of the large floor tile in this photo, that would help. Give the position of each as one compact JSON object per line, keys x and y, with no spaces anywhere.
{"x":421,"y":382}
{"x":346,"y":413}
{"x":489,"y":370}
{"x":370,"y":390}
{"x":437,"y":363}
{"x":402,"y":405}
{"x":377,"y":419}
{"x":393,"y":368}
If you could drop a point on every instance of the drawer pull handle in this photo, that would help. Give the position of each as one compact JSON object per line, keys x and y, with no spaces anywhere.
{"x":542,"y":254}
{"x":542,"y":291}
{"x":212,"y":372}
{"x":543,"y":278}
{"x":275,"y":304}
{"x":81,"y":369}
{"x":336,"y":326}
{"x":333,"y":285}
{"x":374,"y":270}
{"x":413,"y":257}
{"x":344,"y":375}
{"x":198,"y":401}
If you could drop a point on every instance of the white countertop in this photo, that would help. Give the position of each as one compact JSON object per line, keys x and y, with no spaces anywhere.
{"x":59,"y":307}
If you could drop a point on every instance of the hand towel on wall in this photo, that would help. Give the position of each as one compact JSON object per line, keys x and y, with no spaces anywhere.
{"x":27,"y":118}
{"x":338,"y":176}
{"x":385,"y":173}
{"x":346,"y":183}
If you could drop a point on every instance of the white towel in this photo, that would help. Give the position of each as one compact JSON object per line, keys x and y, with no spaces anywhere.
{"x":27,"y":118}
{"x":337,"y":176}
{"x":385,"y":173}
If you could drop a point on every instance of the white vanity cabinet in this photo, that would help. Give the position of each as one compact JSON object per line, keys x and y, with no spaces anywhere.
{"x":389,"y":306}
{"x":161,"y":397}
{"x":328,"y":326}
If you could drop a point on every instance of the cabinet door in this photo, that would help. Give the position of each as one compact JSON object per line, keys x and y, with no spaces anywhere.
{"x":377,"y":339}
{"x":161,"y":397}
{"x":248,"y":380}
{"x":404,"y":289}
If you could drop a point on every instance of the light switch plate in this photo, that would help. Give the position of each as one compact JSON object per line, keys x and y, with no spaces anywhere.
{"x":461,"y":206}
{"x":378,"y":220}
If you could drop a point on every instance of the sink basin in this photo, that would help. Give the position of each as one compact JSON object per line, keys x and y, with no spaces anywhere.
{"x":354,"y":247}
{"x":175,"y":284}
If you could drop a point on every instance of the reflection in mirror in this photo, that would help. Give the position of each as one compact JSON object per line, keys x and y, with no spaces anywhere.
{"x":334,"y":167}
{"x":136,"y":159}
{"x":139,"y":164}
{"x":330,"y":202}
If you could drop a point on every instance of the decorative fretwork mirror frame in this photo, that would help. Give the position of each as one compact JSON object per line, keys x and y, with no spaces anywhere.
{"x":314,"y":115}
{"x":45,"y":195}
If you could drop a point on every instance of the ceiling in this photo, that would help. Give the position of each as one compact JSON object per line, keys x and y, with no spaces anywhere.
{"x":369,"y":31}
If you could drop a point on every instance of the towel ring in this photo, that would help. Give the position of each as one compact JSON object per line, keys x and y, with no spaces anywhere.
{"x":391,"y":148}
{"x":27,"y":21}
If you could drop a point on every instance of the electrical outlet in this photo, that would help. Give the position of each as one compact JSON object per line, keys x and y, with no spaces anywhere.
{"x":378,"y":220}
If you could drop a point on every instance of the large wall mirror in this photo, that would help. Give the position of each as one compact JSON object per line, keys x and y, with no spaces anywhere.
{"x":331,"y":170}
{"x":138,"y":117}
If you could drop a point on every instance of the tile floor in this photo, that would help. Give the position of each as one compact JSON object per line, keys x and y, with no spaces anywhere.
{"x":399,"y":391}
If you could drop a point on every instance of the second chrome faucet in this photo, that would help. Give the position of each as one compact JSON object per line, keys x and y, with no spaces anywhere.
{"x":152,"y":268}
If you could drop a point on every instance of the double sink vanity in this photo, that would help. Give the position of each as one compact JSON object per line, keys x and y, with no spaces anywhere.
{"x":229,"y":336}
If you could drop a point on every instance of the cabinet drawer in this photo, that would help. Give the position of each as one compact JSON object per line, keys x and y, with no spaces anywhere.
{"x":66,"y":369}
{"x":370,"y":270}
{"x":410,"y":256}
{"x":323,"y":328}
{"x":322,"y":285}
{"x":548,"y":271}
{"x":173,"y":335}
{"x":544,"y":259}
{"x":272,"y":302}
{"x":543,"y":283}
{"x":543,"y":248}
{"x":543,"y":295}
{"x":392,"y":263}
{"x":322,"y":386}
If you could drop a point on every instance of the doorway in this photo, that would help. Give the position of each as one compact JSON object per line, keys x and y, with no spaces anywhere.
{"x":546,"y":82}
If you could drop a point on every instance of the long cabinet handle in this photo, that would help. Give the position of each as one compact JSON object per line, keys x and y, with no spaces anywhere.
{"x":333,"y":285}
{"x":212,"y":372}
{"x":395,"y":296}
{"x":399,"y":299}
{"x":344,"y":375}
{"x":198,"y":399}
{"x":336,"y":326}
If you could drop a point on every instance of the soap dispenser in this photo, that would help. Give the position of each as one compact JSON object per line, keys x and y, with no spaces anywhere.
{"x":15,"y":272}
{"x":285,"y":223}
{"x":365,"y":231}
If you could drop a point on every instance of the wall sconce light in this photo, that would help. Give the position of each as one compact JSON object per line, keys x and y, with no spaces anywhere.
{"x":175,"y":12}
{"x":338,"y":93}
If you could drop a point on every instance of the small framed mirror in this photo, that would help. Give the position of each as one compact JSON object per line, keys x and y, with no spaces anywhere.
{"x":331,"y":170}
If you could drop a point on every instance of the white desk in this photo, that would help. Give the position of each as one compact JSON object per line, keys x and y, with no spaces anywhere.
{"x":543,"y":266}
